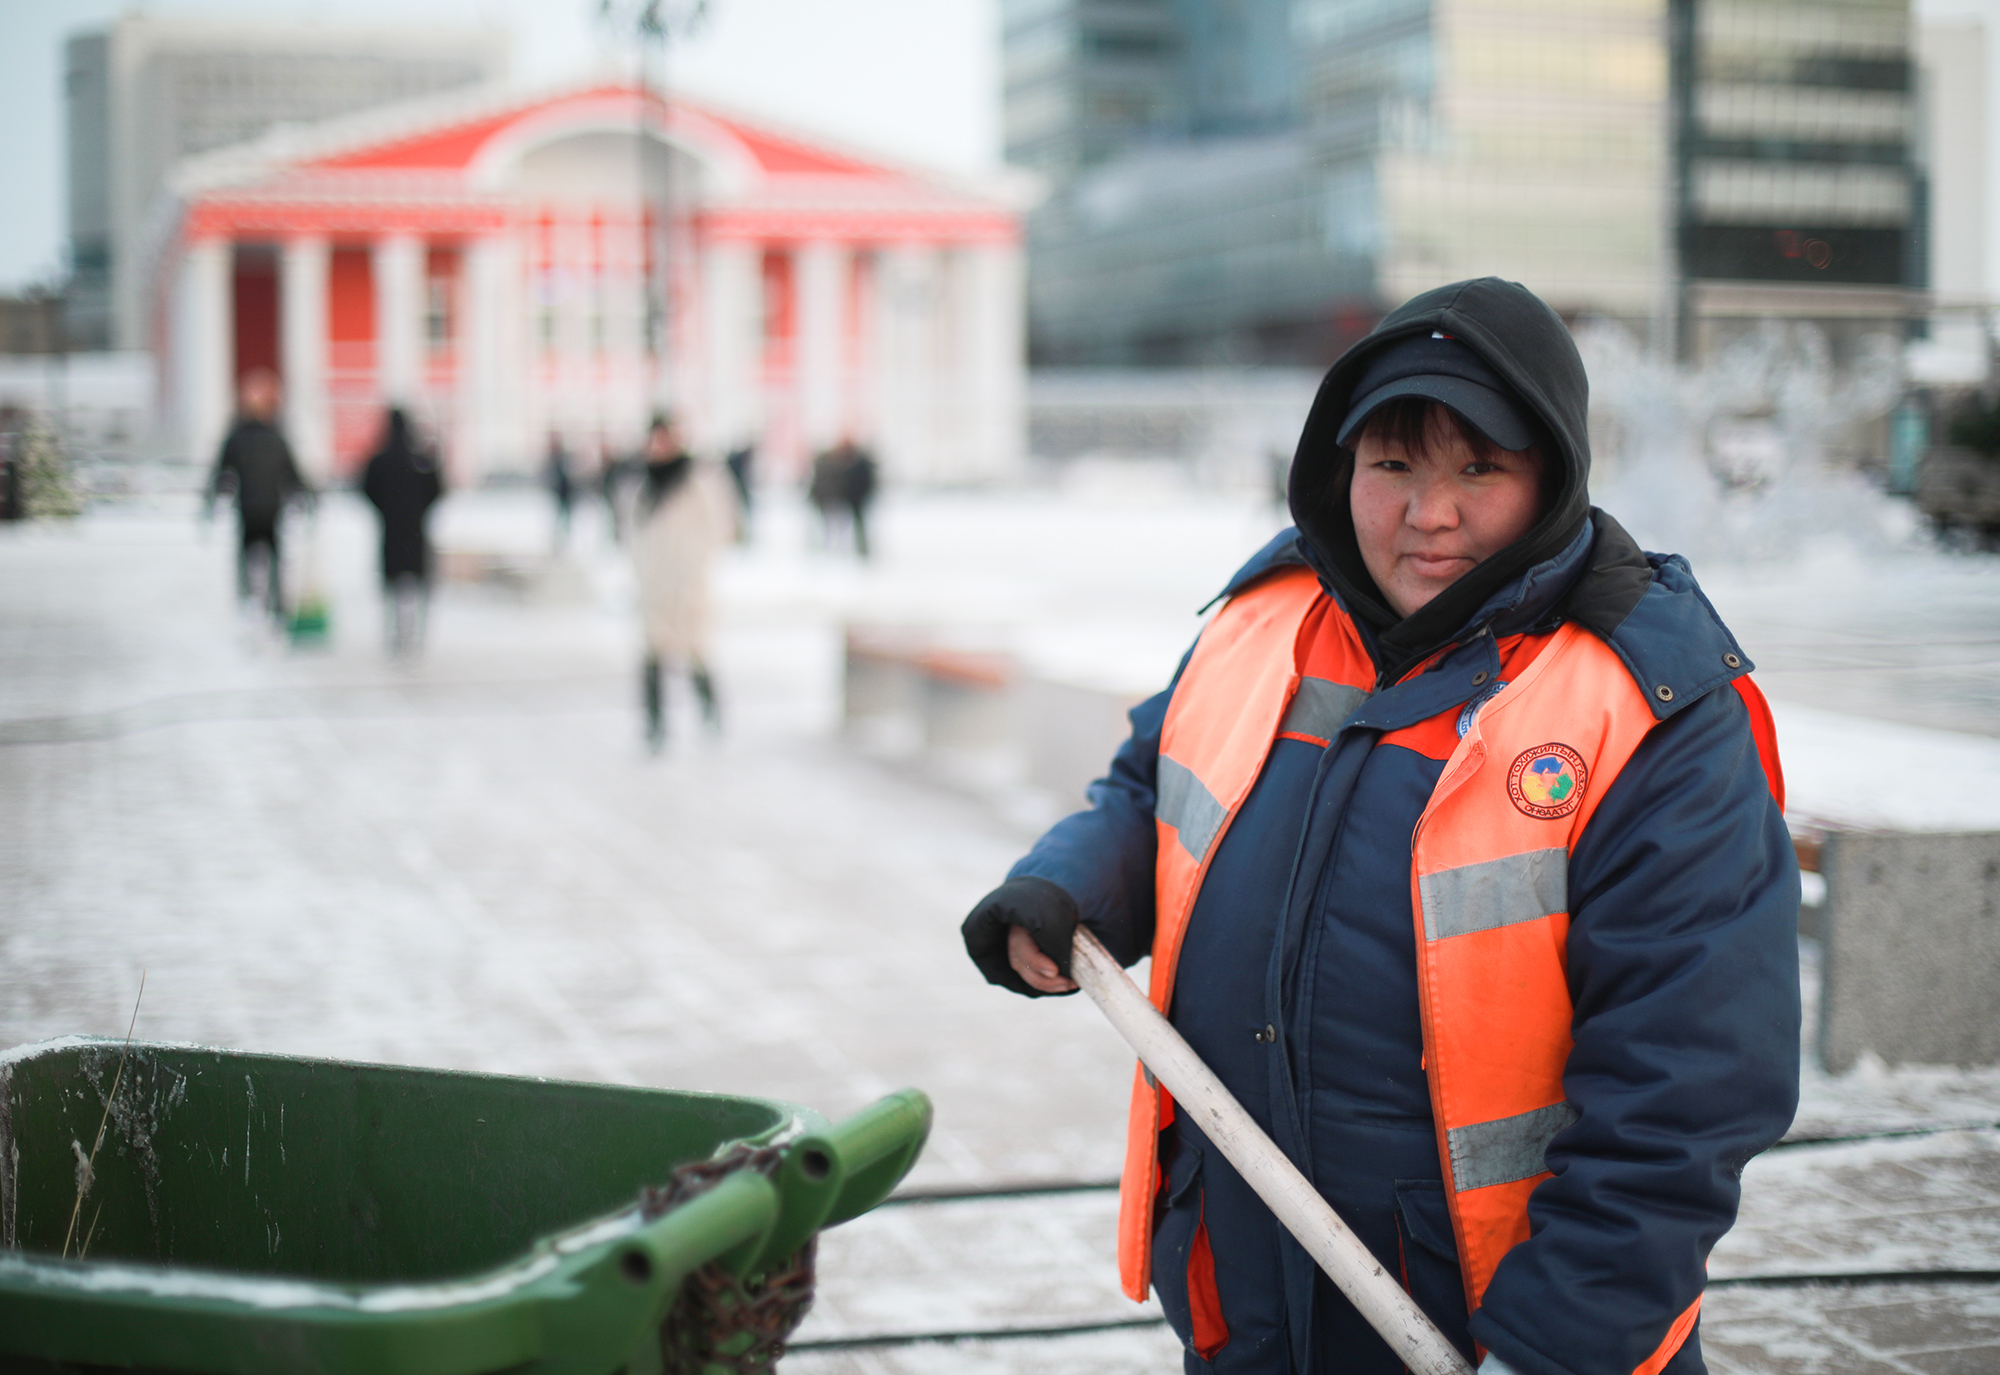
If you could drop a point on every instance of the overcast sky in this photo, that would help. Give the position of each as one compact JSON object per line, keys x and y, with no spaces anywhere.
{"x":914,"y":78}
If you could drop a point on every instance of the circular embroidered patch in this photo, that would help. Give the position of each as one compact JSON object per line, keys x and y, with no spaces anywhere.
{"x":1547,"y":781}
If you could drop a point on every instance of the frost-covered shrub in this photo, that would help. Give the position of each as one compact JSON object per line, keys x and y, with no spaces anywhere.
{"x":47,"y":490}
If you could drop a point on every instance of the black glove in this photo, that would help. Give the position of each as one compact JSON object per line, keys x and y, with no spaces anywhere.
{"x":1048,"y":913}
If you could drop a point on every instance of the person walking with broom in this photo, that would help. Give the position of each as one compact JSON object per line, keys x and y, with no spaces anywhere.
{"x":403,"y":481}
{"x":1457,"y":845}
{"x":257,"y":464}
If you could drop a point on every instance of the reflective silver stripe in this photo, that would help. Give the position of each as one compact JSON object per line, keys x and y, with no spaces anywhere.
{"x":1320,"y":706}
{"x":1505,"y":1150}
{"x":1497,"y":892}
{"x":1185,"y":803}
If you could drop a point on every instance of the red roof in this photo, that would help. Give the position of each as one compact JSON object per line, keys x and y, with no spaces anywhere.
{"x":448,"y":149}
{"x":781,"y":155}
{"x":453,"y":147}
{"x":418,"y":182}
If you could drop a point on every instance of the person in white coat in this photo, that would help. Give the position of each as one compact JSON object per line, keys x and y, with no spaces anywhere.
{"x":684,"y":517}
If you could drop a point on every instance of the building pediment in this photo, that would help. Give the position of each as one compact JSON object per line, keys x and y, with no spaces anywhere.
{"x":454,"y":162}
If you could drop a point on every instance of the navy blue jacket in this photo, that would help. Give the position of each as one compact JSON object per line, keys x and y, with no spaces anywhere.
{"x":1297,"y":985}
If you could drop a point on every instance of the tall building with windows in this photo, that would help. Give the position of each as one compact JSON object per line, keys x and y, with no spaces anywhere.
{"x":1679,"y":164}
{"x":147,"y":91}
{"x":1796,"y":193}
{"x":1181,"y":211}
{"x":1523,"y":138}
{"x":1085,"y":79}
{"x":1957,"y":98}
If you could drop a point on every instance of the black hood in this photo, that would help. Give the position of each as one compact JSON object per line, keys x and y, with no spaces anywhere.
{"x":1525,"y":342}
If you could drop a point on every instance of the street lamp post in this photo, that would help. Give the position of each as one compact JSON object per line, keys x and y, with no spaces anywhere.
{"x":653,"y":25}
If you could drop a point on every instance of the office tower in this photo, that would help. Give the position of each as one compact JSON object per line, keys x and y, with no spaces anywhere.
{"x":1795,"y":193}
{"x":145,"y":92}
{"x":1304,"y":164}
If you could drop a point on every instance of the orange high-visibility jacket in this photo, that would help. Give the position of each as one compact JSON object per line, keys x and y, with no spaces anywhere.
{"x":1488,"y":876}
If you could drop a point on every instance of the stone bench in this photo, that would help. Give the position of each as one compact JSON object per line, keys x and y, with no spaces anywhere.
{"x":914,"y":689}
{"x":1911,"y":962}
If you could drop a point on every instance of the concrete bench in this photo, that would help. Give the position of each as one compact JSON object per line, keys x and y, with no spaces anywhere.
{"x":1070,"y":731}
{"x":1912,"y":948}
{"x":921,"y":690}
{"x":911,"y":689}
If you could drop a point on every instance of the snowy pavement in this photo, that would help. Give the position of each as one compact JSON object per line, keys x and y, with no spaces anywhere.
{"x":471,"y":862}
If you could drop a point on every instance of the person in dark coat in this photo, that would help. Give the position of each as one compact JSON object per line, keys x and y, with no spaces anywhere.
{"x":618,"y":481}
{"x":1457,"y":843}
{"x":257,"y":463}
{"x":843,"y":488}
{"x":13,"y":429}
{"x":742,"y":464}
{"x":403,"y":481}
{"x":562,"y":485}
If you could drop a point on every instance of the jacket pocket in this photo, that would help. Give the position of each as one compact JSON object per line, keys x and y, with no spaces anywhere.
{"x":1430,"y":1255}
{"x":1183,"y":1264}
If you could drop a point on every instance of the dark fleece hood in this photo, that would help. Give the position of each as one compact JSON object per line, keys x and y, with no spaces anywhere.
{"x":1524,"y":341}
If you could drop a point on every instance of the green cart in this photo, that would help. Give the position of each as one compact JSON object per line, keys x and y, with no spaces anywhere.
{"x":170,"y":1207}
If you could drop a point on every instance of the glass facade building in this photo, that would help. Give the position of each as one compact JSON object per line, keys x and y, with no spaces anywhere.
{"x":1796,"y":188}
{"x":1296,"y":166}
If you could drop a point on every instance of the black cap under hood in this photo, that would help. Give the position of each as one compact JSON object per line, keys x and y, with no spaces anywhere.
{"x":1528,"y":345}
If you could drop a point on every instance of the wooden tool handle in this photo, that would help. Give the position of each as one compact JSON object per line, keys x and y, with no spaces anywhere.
{"x":1307,"y":1216}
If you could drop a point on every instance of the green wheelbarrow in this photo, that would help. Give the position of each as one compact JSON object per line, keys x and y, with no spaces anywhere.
{"x":167,"y":1207}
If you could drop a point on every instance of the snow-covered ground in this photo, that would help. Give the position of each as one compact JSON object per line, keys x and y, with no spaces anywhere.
{"x":470,"y":861}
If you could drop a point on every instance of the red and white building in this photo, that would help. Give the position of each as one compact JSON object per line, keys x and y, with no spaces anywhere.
{"x":509,"y":266}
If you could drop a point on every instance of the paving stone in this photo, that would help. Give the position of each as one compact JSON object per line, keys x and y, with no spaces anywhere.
{"x":1853,"y":1329}
{"x":1143,"y":1351}
{"x":1953,"y":1322}
{"x":1902,"y":1203}
{"x":973,"y":1265}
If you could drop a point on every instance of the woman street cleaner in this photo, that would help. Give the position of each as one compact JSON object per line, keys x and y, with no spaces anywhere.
{"x":1457,"y":846}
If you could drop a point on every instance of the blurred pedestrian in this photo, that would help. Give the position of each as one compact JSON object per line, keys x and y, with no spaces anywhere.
{"x":1278,"y":468}
{"x":742,"y":462}
{"x":403,"y":481}
{"x":13,"y":434}
{"x":681,"y":521}
{"x":842,"y":489}
{"x":562,"y":485}
{"x":257,"y":463}
{"x":616,"y":478}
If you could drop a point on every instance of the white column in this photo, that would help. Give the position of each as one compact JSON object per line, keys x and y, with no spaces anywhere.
{"x":821,"y":269}
{"x":680,"y":284}
{"x":204,"y":348}
{"x":491,"y":377}
{"x":906,"y":291}
{"x":641,"y":284}
{"x":302,"y":267}
{"x":732,"y":307}
{"x":399,"y":318}
{"x":478,"y":377}
{"x":515,"y":444}
{"x":992,"y":357}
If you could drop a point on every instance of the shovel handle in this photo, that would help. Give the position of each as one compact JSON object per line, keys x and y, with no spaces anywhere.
{"x":1292,"y":1199}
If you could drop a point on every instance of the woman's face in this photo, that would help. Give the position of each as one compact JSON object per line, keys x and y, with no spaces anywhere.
{"x":1425,"y":518}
